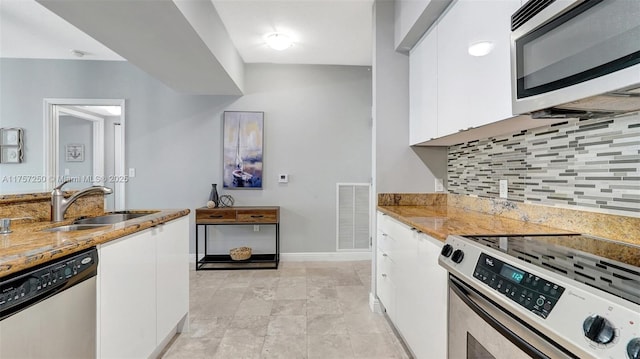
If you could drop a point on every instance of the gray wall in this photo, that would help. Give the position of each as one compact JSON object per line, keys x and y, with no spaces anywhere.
{"x":77,"y":131}
{"x":317,"y":129}
{"x":399,"y":168}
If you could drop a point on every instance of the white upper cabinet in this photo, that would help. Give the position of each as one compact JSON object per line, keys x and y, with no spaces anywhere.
{"x":488,"y":93}
{"x":474,"y":90}
{"x":470,"y":91}
{"x":453,"y":71}
{"x":423,"y":89}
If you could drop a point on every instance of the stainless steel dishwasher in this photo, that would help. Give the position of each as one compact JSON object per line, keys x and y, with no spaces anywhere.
{"x":50,"y":311}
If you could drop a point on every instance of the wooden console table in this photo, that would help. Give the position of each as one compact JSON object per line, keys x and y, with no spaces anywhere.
{"x":249,"y":215}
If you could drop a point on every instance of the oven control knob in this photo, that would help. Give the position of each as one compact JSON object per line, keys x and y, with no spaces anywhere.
{"x":446,"y":250}
{"x":457,"y":256}
{"x":633,"y":348}
{"x":598,"y":329}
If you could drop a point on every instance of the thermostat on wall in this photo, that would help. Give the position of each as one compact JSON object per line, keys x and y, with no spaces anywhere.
{"x":283,"y":178}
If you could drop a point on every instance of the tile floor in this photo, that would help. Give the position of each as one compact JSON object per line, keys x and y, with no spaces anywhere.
{"x":302,"y":310}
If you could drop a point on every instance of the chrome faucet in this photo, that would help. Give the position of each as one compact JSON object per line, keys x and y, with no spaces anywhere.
{"x":59,"y":204}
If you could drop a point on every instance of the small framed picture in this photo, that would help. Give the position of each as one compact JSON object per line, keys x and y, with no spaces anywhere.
{"x":10,"y":154}
{"x":74,"y":152}
{"x":10,"y":136}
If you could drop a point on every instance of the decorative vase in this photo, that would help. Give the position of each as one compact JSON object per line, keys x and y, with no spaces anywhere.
{"x":213,"y":197}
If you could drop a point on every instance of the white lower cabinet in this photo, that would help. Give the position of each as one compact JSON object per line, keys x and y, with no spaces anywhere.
{"x":127,"y":297}
{"x":172,"y":274}
{"x":143,"y":290}
{"x":385,"y":283}
{"x":429,"y":332}
{"x":412,"y":287}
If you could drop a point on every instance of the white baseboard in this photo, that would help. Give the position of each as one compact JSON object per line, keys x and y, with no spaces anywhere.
{"x":315,"y":257}
{"x":374,"y":303}
{"x":325,"y":256}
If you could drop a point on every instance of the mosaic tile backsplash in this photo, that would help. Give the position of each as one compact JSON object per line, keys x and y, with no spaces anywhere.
{"x":592,"y":164}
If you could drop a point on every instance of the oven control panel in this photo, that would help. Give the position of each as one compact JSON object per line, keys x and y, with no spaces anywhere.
{"x":531,"y":292}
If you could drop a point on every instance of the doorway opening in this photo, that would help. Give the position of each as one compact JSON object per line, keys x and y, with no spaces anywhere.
{"x":84,"y":142}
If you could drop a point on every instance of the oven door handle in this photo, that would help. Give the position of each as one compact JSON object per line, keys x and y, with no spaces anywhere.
{"x":478,"y":304}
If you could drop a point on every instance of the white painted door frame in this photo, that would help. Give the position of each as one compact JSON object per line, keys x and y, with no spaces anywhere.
{"x":98,"y":141}
{"x":51,"y":152}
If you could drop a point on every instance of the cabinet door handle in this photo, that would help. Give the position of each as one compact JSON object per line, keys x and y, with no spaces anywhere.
{"x":385,"y":255}
{"x":257,"y":216}
{"x":384,"y":275}
{"x":216,"y":216}
{"x":384,"y":234}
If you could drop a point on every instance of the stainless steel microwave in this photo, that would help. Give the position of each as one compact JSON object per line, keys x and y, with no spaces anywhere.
{"x":576,"y":58}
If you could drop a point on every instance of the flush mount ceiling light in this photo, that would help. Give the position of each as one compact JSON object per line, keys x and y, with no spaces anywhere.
{"x":481,"y":48}
{"x":278,"y":41}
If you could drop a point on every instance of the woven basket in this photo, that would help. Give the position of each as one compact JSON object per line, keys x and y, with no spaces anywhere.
{"x":240,"y":253}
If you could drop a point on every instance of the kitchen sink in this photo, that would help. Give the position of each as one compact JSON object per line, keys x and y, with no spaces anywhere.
{"x":73,"y":227}
{"x":112,"y":218}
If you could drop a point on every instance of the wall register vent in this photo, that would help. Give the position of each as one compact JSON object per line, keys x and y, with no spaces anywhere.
{"x":352,"y":227}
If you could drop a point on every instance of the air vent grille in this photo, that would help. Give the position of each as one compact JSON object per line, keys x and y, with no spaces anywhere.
{"x":353,"y":216}
{"x":527,"y":11}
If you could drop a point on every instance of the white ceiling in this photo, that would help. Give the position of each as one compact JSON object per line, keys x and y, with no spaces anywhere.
{"x":324,"y":31}
{"x":29,"y":30}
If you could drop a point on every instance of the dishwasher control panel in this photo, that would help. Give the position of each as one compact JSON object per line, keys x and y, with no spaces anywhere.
{"x":25,"y":288}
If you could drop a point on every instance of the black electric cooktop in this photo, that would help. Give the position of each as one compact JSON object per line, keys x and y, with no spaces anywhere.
{"x":607,"y":265}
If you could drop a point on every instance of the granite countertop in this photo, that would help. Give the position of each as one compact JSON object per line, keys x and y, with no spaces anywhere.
{"x":27,"y":246}
{"x":439,"y":221}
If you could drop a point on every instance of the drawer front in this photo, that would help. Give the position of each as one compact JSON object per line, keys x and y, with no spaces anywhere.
{"x":385,"y":291}
{"x":383,"y":225}
{"x":384,"y":263}
{"x":215,"y":216}
{"x":385,"y":285}
{"x":396,"y":229}
{"x":257,"y":215}
{"x":390,"y":226}
{"x":385,"y":242}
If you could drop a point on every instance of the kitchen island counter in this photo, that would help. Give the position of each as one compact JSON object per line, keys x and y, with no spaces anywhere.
{"x":28,"y":245}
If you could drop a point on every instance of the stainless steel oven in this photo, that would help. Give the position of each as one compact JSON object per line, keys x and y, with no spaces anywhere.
{"x":481,"y":329}
{"x":561,"y":296}
{"x":563,"y":51}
